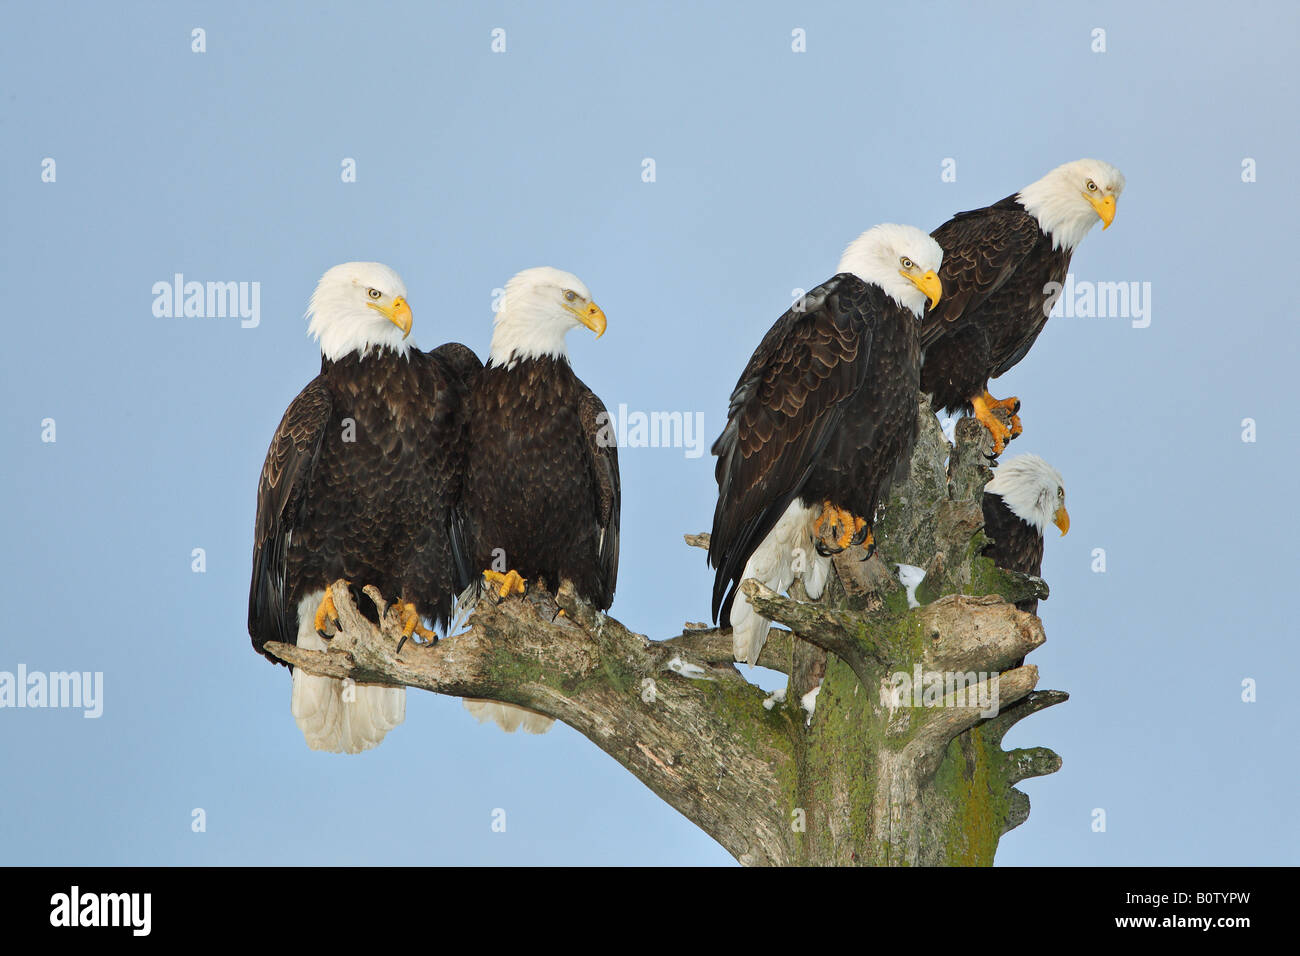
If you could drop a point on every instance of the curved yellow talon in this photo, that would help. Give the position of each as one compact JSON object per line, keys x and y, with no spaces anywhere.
{"x":508,"y":583}
{"x":1010,"y":405}
{"x":984,"y":414}
{"x":837,"y":528}
{"x":326,"y":615}
{"x":411,"y":623}
{"x":1017,"y":429}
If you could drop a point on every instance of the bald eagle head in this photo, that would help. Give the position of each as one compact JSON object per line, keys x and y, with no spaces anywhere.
{"x":359,"y":306}
{"x":539,"y":308}
{"x":1033,"y":490}
{"x":1072,"y":198}
{"x":901,"y":260}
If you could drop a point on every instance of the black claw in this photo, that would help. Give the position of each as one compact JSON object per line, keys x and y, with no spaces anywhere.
{"x":1016,"y":410}
{"x":323,"y":635}
{"x":826,"y":552}
{"x":871,"y":550}
{"x":861,"y":535}
{"x":400,"y":643}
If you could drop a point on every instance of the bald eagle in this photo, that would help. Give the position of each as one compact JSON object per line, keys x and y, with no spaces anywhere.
{"x":998,"y":263}
{"x":821,"y":421}
{"x":542,"y":487}
{"x":359,"y":483}
{"x":1024,"y":495}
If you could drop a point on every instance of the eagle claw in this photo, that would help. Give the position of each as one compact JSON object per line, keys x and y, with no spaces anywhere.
{"x":327,"y":615}
{"x":411,"y":626}
{"x":506,"y":584}
{"x":865,"y":536}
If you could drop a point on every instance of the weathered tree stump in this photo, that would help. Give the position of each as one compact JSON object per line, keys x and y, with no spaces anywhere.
{"x":888,"y":769}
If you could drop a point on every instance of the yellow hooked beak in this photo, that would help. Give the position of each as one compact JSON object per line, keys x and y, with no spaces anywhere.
{"x":1062,"y":520}
{"x":1105,"y":209}
{"x":592,"y":317}
{"x":928,"y":283}
{"x":399,"y":313}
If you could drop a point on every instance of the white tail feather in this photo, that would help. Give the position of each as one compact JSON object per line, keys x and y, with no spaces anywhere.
{"x":508,"y":717}
{"x":462,"y":606}
{"x":788,"y":551}
{"x":331,"y":715}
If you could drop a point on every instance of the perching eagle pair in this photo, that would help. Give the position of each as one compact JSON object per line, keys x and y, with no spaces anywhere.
{"x":822,"y":420}
{"x":417,"y":472}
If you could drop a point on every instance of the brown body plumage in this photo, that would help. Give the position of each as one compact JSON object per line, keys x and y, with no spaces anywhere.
{"x":1014,"y":544}
{"x":542,"y":487}
{"x":825,"y":410}
{"x":359,"y":483}
{"x":997,"y":266}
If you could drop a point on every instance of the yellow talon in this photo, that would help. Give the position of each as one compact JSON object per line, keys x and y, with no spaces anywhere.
{"x":837,"y":526}
{"x":1011,"y":405}
{"x":869,"y":541}
{"x":509,"y":583}
{"x":326,"y":614}
{"x":984,"y":413}
{"x":411,"y":623}
{"x":858,"y":525}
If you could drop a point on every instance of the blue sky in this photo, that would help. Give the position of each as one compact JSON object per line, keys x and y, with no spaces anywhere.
{"x":471,"y":165}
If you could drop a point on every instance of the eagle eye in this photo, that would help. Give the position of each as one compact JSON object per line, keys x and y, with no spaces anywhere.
{"x":374,"y":293}
{"x":1092,"y":187}
{"x":570,"y":295}
{"x":907,"y":263}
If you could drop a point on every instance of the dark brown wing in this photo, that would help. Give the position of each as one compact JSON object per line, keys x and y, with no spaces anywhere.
{"x":981,"y":251}
{"x":462,"y":368}
{"x":281,"y":491}
{"x":783,"y":410}
{"x":460,"y":360}
{"x":604,"y":463}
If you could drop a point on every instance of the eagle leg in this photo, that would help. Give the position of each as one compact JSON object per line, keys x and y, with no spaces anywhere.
{"x":836,"y":529}
{"x":410,"y":616}
{"x":1011,"y":405}
{"x":327,"y":615}
{"x":508,"y":583}
{"x":984,"y":413}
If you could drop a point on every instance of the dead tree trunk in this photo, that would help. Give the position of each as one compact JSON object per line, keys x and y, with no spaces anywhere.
{"x":884,"y":771}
